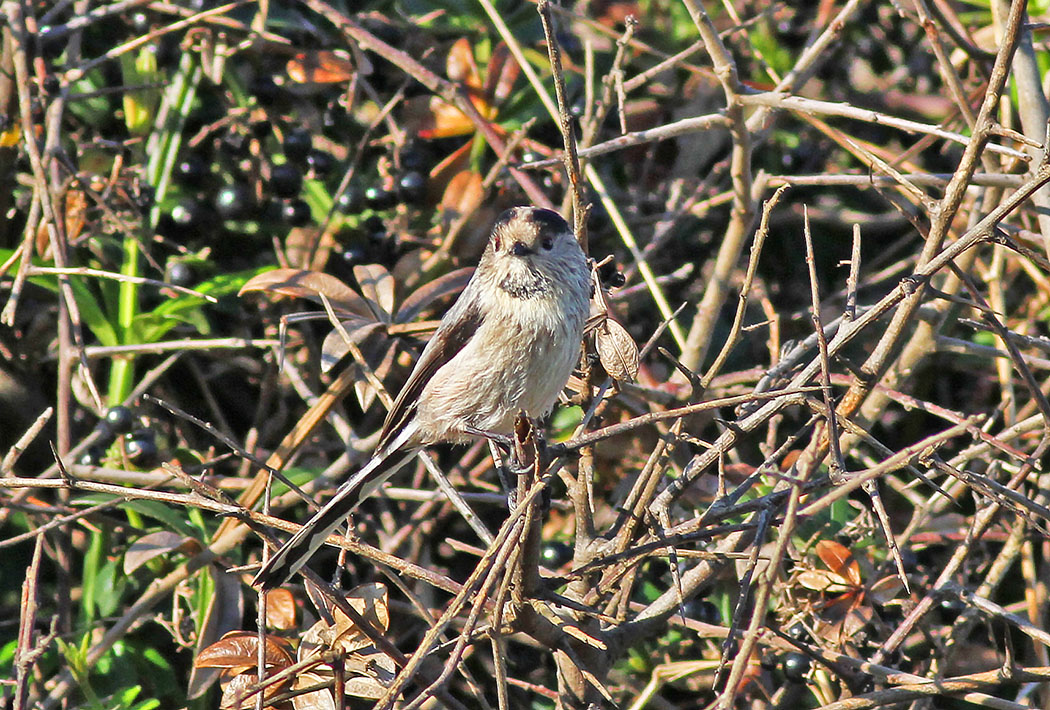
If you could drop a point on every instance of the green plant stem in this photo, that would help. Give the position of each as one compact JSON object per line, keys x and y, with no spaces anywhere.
{"x":163,"y":149}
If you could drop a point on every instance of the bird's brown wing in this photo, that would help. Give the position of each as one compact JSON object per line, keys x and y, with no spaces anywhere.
{"x":452,"y":335}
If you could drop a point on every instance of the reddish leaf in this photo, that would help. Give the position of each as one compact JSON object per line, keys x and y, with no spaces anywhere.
{"x":502,"y":73}
{"x":460,"y":64}
{"x":320,"y":66}
{"x":238,"y":649}
{"x":442,"y":120}
{"x":280,"y":609}
{"x":463,"y":194}
{"x":839,"y":560}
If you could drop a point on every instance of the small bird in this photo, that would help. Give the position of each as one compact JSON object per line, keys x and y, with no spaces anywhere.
{"x":508,"y":344}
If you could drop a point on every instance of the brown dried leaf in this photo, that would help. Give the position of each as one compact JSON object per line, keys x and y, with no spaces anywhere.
{"x":75,"y":206}
{"x":334,"y":348}
{"x":224,"y":613}
{"x":501,"y":74}
{"x":364,"y":390}
{"x":320,"y":699}
{"x":308,"y":284}
{"x":153,"y":545}
{"x":819,"y":580}
{"x":463,"y":194}
{"x":238,"y":650}
{"x":422,"y":297}
{"x":281,"y":610}
{"x":839,"y":560}
{"x":460,"y":64}
{"x":308,"y":248}
{"x":367,"y":675}
{"x":377,"y":286}
{"x":370,"y":601}
{"x":371,"y":673}
{"x":886,"y":589}
{"x":617,"y":350}
{"x":235,"y":690}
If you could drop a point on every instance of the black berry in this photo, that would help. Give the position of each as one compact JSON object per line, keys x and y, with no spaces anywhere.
{"x":92,"y":456}
{"x":554,"y":554}
{"x":379,"y":198}
{"x":297,"y":145}
{"x":261,"y":129}
{"x":375,"y":228}
{"x":296,"y":213}
{"x":191,"y":216}
{"x":141,"y":451}
{"x":351,"y":200}
{"x":320,"y":162}
{"x":286,"y":180}
{"x":180,"y":274}
{"x":266,"y":90}
{"x":412,"y":187}
{"x":119,"y":419}
{"x":415,"y":156}
{"x":191,"y":168}
{"x":796,"y":666}
{"x":233,"y":201}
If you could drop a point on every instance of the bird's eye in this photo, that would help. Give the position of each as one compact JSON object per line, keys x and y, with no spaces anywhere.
{"x":548,"y":243}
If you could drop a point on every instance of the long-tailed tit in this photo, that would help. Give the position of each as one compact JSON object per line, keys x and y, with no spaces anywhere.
{"x":508,"y":344}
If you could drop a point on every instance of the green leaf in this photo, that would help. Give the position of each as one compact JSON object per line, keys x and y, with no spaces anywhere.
{"x":110,"y":584}
{"x":7,"y":653}
{"x":92,"y":313}
{"x":171,"y":518}
{"x":92,"y":564}
{"x":140,"y":104}
{"x":564,"y":422}
{"x":124,"y":698}
{"x":151,"y":327}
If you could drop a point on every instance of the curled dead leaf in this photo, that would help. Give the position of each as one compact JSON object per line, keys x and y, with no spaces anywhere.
{"x":280,"y":609}
{"x":368,"y":600}
{"x":237,"y":650}
{"x":839,"y":560}
{"x":617,"y":350}
{"x":235,"y":690}
{"x":320,"y":698}
{"x":309,"y":284}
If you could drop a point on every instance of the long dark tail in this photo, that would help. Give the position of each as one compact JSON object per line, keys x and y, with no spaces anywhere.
{"x":295,"y":553}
